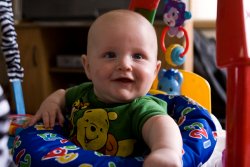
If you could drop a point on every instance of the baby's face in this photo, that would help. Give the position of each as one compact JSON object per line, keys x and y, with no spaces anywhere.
{"x":122,"y":63}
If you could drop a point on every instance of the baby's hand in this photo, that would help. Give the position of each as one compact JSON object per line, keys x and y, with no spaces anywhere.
{"x":163,"y":158}
{"x":50,"y":110}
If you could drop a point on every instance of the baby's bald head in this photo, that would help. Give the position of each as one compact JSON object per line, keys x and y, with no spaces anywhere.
{"x":119,"y":20}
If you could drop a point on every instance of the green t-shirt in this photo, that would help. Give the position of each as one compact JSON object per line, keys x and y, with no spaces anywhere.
{"x":113,"y":129}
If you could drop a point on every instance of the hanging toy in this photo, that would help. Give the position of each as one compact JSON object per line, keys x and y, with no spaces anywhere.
{"x":170,"y":81}
{"x":174,"y":16}
{"x":11,"y":53}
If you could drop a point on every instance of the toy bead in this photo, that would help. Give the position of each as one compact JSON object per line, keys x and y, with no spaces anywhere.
{"x":172,"y":55}
{"x":177,"y":60}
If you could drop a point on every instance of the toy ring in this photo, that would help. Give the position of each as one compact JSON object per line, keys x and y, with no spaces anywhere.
{"x":163,"y":47}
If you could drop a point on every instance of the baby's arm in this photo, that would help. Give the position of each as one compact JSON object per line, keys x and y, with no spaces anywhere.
{"x":163,"y":137}
{"x":50,"y":110}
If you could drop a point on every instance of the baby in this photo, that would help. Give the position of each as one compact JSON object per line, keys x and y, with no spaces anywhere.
{"x":113,"y":114}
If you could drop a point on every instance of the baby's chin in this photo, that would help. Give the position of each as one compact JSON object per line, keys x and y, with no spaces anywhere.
{"x":126,"y":98}
{"x":119,"y":99}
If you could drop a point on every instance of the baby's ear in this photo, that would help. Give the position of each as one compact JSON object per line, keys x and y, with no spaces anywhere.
{"x":85,"y":64}
{"x":158,"y":67}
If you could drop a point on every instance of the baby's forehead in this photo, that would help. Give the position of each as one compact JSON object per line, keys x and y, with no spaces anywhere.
{"x":121,"y":14}
{"x":120,"y":21}
{"x":121,"y":17}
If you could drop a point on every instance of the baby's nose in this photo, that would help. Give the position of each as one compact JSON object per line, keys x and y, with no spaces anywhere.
{"x":125,"y":63}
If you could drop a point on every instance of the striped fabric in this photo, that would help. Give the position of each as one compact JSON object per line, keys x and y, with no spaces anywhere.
{"x":9,"y":45}
{"x":5,"y":159}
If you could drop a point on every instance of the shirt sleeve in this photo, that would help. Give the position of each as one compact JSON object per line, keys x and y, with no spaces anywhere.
{"x":143,"y":109}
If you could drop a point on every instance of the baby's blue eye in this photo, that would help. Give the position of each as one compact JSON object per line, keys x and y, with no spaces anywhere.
{"x":137,"y":56}
{"x":110,"y":55}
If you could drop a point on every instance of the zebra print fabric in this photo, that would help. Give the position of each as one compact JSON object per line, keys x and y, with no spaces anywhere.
{"x":9,"y":45}
{"x":5,"y":159}
{"x":15,"y":72}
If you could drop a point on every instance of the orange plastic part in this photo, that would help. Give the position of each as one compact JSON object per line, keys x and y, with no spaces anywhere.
{"x":193,"y":86}
{"x":196,"y":88}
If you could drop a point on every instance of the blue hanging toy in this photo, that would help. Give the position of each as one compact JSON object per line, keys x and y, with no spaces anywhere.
{"x":170,"y":81}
